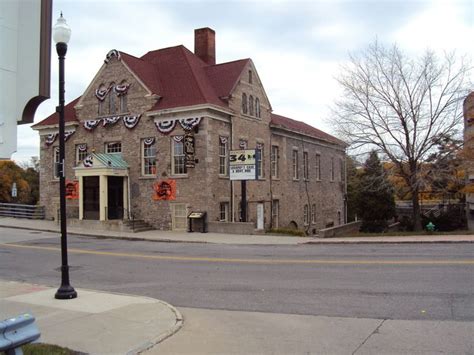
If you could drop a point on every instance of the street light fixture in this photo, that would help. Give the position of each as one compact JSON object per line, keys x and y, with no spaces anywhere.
{"x":61,"y":36}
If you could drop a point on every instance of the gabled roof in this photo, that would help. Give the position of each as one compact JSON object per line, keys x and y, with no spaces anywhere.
{"x":182,"y":79}
{"x":53,"y":119}
{"x":304,"y":128}
{"x":223,"y":77}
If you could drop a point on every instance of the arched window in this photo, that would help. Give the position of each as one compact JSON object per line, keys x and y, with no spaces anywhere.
{"x":112,"y":108}
{"x":257,"y":107}
{"x":244,"y":103}
{"x":251,"y":105}
{"x":121,"y":91}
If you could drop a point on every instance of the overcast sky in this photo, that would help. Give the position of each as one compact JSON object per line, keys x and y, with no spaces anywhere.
{"x":296,"y":46}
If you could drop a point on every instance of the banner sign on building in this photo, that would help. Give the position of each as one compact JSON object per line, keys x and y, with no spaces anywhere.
{"x":242,"y":164}
{"x":189,"y":150}
{"x":164,"y":190}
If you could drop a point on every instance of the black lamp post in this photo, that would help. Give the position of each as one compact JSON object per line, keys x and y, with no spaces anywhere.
{"x":61,"y":36}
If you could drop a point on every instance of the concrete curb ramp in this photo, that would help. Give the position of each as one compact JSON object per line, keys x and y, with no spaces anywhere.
{"x":95,"y":322}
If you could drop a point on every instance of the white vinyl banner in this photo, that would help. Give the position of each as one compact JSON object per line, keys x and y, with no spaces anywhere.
{"x":242,"y":164}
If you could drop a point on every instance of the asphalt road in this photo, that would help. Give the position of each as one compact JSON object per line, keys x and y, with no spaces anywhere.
{"x":406,"y":282}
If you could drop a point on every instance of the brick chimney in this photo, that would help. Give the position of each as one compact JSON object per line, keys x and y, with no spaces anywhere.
{"x":205,"y":45}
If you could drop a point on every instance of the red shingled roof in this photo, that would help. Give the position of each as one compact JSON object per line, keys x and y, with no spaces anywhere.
{"x":69,"y":115}
{"x":301,"y":127}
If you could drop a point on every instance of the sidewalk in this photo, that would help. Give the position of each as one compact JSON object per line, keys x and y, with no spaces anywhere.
{"x":95,"y":322}
{"x":172,"y":236}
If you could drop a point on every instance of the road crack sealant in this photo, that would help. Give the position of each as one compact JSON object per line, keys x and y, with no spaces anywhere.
{"x":376,"y":331}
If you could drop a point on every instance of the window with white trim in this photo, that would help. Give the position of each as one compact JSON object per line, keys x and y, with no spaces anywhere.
{"x":148,"y":156}
{"x":224,"y":211}
{"x":223,"y":155}
{"x":275,"y":161}
{"x":113,"y":147}
{"x":178,"y":158}
{"x":81,"y":153}
{"x":260,"y":161}
{"x":295,"y":165}
{"x":306,"y":215}
{"x":313,"y":213}
{"x":275,"y":213}
{"x":305,"y":166}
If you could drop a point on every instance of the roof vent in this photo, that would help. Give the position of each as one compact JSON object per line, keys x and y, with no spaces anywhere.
{"x":205,"y":44}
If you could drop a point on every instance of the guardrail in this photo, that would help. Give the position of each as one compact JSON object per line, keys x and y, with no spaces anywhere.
{"x":21,"y":211}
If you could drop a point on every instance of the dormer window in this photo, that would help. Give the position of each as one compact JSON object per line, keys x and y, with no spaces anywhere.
{"x":244,"y":103}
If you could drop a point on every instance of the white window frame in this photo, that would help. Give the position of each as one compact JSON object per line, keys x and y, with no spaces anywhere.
{"x":224,"y":212}
{"x":113,"y":147}
{"x":313,"y":213}
{"x":295,"y":164}
{"x":260,"y":162}
{"x":223,"y":157}
{"x":80,"y":154}
{"x":306,"y":215}
{"x":148,"y":158}
{"x":305,"y":166}
{"x":275,"y":156}
{"x":178,"y":161}
{"x":275,"y":213}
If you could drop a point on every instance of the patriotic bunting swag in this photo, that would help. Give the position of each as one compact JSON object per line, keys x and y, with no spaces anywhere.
{"x":178,"y":139}
{"x":110,"y":120}
{"x":102,"y":93}
{"x":68,"y":134}
{"x":50,"y":138}
{"x":189,"y":123}
{"x":88,"y":162}
{"x":82,"y":147}
{"x":224,"y":140}
{"x":131,"y":121}
{"x":166,"y":127}
{"x":91,"y":124}
{"x":149,"y":141}
{"x":113,"y":53}
{"x":121,"y":90}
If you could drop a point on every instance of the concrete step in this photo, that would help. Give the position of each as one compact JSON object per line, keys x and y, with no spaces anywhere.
{"x":136,"y":226}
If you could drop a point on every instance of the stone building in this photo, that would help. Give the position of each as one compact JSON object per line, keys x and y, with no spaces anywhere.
{"x":468,"y":109}
{"x":150,"y":138}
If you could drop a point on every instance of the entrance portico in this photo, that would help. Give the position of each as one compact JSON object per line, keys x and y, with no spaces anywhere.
{"x":103,"y":187}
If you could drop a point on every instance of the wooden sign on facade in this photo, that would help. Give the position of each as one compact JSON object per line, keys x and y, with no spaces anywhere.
{"x":189,"y":150}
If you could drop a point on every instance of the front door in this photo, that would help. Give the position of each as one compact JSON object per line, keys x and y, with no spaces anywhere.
{"x":260,"y":216}
{"x":115,"y":197}
{"x":91,"y":197}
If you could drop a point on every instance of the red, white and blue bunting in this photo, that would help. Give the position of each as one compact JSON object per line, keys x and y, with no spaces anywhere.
{"x":131,"y":121}
{"x":102,"y":93}
{"x":178,"y":139}
{"x":110,"y":120}
{"x":243,"y":144}
{"x":50,"y":138}
{"x":223,"y":140}
{"x":165,"y":127}
{"x":189,"y":123}
{"x":121,"y":90}
{"x":149,"y":141}
{"x":91,"y":124}
{"x":68,"y":134}
{"x":111,"y":54}
{"x":88,"y":161}
{"x":82,"y":147}
{"x":259,"y":145}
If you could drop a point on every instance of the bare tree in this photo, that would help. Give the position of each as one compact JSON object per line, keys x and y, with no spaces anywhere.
{"x":401,"y":107}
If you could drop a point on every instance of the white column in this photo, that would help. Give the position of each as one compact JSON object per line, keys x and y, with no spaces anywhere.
{"x":103,"y":200}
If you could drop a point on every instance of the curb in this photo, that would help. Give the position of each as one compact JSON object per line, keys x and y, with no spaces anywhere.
{"x":160,"y":338}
